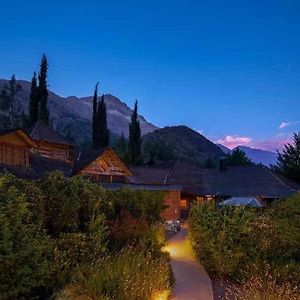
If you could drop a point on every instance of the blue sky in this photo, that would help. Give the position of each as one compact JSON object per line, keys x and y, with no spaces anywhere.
{"x":229,"y":69}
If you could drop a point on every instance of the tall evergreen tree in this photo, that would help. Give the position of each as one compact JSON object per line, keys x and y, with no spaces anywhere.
{"x":288,"y":162}
{"x":34,"y":100}
{"x":43,"y":91}
{"x":95,"y":111}
{"x":102,"y":136}
{"x":135,"y":141}
{"x":121,"y":148}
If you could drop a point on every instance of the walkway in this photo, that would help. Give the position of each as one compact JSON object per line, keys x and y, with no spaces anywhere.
{"x":192,"y":281}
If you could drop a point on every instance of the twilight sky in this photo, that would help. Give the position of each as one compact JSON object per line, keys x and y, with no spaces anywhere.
{"x":228,"y":69}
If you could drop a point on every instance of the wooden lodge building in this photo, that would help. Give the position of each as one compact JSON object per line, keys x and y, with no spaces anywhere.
{"x":101,"y":165}
{"x":14,"y":147}
{"x":50,"y":144}
{"x":33,"y":152}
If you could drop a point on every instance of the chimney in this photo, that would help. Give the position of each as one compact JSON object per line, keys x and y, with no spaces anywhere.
{"x":222,"y":164}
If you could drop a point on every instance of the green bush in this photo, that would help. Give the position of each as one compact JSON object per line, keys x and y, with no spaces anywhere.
{"x":139,"y":203}
{"x":241,"y":242}
{"x":25,"y":249}
{"x":56,"y":228}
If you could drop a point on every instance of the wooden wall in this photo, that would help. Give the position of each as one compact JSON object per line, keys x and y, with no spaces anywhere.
{"x":54,"y":151}
{"x":13,"y":155}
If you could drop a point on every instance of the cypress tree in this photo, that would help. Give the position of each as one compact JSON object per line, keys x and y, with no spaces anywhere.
{"x":43,"y":91}
{"x":94,"y":121}
{"x":135,"y":141}
{"x":102,"y":130}
{"x":34,"y":100}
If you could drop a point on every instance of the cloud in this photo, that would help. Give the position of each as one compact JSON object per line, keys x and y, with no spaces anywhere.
{"x":284,"y":124}
{"x":231,"y":141}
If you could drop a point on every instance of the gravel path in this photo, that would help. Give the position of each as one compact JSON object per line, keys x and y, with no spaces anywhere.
{"x":192,"y":281}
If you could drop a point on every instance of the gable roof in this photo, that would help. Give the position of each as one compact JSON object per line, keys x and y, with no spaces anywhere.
{"x":241,"y":181}
{"x":87,"y":157}
{"x":40,"y":132}
{"x":20,"y":134}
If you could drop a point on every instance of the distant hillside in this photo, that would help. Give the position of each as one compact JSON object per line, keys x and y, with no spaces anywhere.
{"x":71,"y":116}
{"x":257,"y":156}
{"x":187,"y":144}
{"x":224,"y":149}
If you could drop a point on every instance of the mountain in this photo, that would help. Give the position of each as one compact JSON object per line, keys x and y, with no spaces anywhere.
{"x":224,"y":149}
{"x":72,"y":116}
{"x":185,"y":143}
{"x":257,"y":156}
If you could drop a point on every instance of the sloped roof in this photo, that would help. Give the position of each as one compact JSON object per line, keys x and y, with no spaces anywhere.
{"x":241,"y":201}
{"x":86,"y":157}
{"x":21,"y":134}
{"x":242,"y":181}
{"x":149,"y":175}
{"x":40,"y":132}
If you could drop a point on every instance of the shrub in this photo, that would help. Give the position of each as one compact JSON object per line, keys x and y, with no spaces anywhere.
{"x":24,"y":248}
{"x":139,"y":203}
{"x":70,"y":203}
{"x":243,"y":242}
{"x":129,"y":275}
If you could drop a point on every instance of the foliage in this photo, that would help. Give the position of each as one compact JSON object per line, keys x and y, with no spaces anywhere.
{"x":133,"y":273}
{"x":185,"y":144}
{"x":135,"y":141}
{"x":155,"y":152}
{"x":121,"y":148}
{"x":43,"y":91}
{"x":139,"y":203}
{"x":94,"y":117}
{"x":25,"y":249}
{"x":102,"y":138}
{"x":240,"y":242}
{"x":237,"y":158}
{"x":263,"y":287}
{"x":34,"y":100}
{"x":100,"y":132}
{"x":55,"y":229}
{"x":288,"y":162}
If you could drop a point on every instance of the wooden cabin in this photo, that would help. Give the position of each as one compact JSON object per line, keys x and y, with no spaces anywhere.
{"x":50,"y":144}
{"x":102,"y":165}
{"x":15,"y":146}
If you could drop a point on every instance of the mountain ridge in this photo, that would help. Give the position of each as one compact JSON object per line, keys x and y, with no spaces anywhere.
{"x":71,"y":116}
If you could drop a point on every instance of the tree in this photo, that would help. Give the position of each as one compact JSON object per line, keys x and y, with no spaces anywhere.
{"x":237,"y":158}
{"x":102,"y":132}
{"x":288,"y":162}
{"x":43,"y":91}
{"x":135,"y":141}
{"x":34,"y":100}
{"x":121,"y":148}
{"x":9,"y":101}
{"x":95,"y":104}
